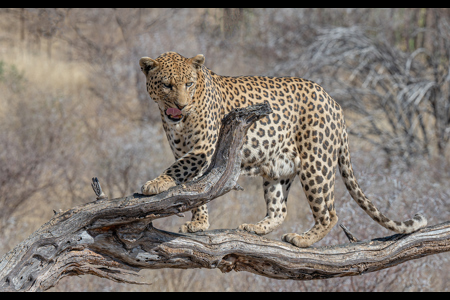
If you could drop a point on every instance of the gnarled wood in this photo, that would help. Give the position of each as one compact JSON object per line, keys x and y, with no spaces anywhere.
{"x":113,"y":238}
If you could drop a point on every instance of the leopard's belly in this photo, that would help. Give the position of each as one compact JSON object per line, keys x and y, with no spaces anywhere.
{"x":269,"y":153}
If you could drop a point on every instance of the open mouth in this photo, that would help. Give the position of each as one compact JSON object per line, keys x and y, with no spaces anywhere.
{"x":174,"y":114}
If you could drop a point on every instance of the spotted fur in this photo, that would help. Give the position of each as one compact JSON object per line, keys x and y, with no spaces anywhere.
{"x":305,"y":136}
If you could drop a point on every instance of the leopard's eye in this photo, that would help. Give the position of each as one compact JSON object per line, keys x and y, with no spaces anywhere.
{"x":167,"y":86}
{"x":189,"y":84}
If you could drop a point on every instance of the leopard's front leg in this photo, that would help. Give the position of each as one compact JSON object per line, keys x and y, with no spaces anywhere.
{"x":185,"y":168}
{"x":276,"y":192}
{"x":199,"y":220}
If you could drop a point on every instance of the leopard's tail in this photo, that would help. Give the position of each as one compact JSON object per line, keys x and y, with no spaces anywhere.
{"x":357,"y":194}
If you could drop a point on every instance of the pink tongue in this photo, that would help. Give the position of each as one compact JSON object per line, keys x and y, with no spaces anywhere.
{"x":173,"y":112}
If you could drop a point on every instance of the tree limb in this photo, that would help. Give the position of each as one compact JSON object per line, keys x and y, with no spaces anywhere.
{"x":114,"y":238}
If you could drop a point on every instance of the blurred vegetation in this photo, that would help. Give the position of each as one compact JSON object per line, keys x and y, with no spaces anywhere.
{"x":73,"y":105}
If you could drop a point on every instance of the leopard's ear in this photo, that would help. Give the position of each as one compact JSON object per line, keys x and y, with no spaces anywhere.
{"x":198,"y":61}
{"x":147,"y":65}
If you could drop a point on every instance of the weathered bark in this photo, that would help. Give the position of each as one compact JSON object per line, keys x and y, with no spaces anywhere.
{"x":113,"y":238}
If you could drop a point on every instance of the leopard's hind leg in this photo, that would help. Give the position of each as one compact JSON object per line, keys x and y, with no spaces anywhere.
{"x":317,"y":170}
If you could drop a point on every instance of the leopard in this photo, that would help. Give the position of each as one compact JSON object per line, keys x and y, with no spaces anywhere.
{"x":304,"y":136}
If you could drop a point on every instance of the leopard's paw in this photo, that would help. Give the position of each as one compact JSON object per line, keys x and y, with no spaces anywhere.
{"x":254,"y":228}
{"x":194,"y":226}
{"x":299,"y":240}
{"x":158,"y":185}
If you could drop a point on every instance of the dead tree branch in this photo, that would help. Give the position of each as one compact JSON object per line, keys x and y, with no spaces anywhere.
{"x":114,"y":238}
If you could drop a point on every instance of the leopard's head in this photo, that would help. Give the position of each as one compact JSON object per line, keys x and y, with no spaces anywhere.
{"x":171,"y":82}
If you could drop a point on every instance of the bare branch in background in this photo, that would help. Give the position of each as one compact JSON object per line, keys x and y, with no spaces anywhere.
{"x":404,"y":96}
